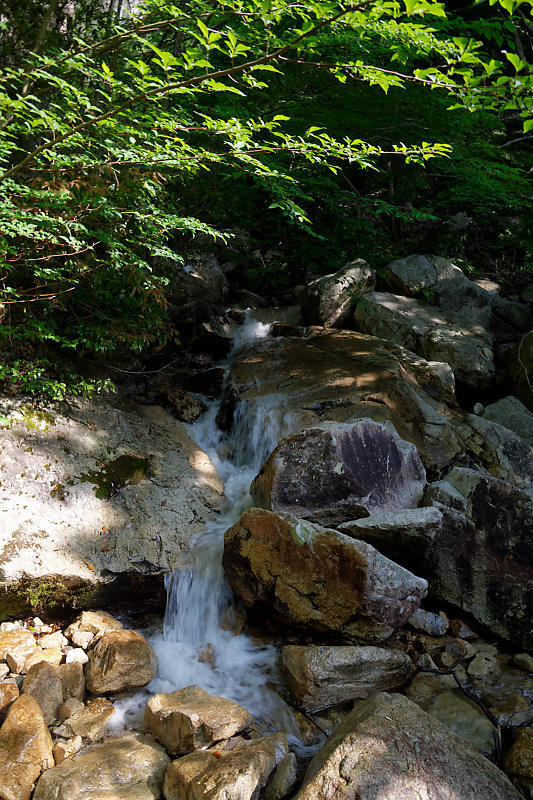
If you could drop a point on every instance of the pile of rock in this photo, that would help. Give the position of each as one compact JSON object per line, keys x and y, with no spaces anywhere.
{"x":50,"y":710}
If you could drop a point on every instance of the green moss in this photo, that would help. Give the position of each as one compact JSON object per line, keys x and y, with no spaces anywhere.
{"x":59,"y":595}
{"x":45,"y":594}
{"x":117,"y":473}
{"x":37,"y":419}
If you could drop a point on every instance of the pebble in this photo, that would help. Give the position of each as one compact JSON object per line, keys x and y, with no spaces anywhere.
{"x":65,"y":748}
{"x":523,"y":661}
{"x":484,"y":667}
{"x":76,"y":654}
{"x":5,"y":627}
{"x":461,"y":629}
{"x":428,"y":622}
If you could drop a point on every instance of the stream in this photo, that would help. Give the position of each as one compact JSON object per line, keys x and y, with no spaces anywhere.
{"x":194,"y":646}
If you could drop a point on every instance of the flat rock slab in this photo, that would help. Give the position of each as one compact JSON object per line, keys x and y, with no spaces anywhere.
{"x":309,"y":577}
{"x":121,"y":660}
{"x":403,"y":535}
{"x":191,"y":719}
{"x":318,"y":677}
{"x":119,"y":768}
{"x":388,"y":748}
{"x":338,"y":472}
{"x":102,"y":490}
{"x":238,"y":774}
{"x":340,"y":376}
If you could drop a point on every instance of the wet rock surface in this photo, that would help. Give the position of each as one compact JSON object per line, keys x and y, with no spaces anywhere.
{"x":319,"y":677}
{"x":191,"y":719}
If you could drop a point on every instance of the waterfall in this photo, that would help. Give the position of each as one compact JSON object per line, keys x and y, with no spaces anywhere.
{"x":195,"y":646}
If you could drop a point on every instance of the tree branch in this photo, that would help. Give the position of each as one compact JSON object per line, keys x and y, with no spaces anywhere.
{"x":195,"y":81}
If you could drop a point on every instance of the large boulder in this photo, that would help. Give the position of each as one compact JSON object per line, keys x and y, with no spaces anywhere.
{"x":519,"y":759}
{"x":319,"y":677}
{"x":504,"y":454}
{"x":473,"y":543}
{"x":310,"y":577}
{"x":388,"y":748}
{"x":441,"y":281}
{"x":341,"y":376}
{"x":482,"y":559}
{"x":339,"y":472}
{"x":127,"y":767}
{"x":512,"y":414}
{"x":25,"y":749}
{"x":330,"y":299}
{"x":191,"y":719}
{"x":436,"y":335}
{"x":94,"y":622}
{"x":237,"y":774}
{"x":121,"y":660}
{"x":96,"y":496}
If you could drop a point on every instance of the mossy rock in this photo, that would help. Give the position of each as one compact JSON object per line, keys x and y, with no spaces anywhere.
{"x":61,"y":595}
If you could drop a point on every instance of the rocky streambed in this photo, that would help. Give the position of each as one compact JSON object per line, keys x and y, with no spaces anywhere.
{"x":376,"y":537}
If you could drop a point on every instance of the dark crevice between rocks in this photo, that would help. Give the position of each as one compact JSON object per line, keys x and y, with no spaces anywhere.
{"x":60,"y":597}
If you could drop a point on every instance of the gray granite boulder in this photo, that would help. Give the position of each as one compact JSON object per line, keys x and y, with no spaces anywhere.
{"x":337,"y":472}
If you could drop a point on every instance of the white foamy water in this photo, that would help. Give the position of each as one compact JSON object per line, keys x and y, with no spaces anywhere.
{"x":194,"y":647}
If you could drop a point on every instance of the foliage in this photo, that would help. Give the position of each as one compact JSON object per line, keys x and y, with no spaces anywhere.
{"x":113,"y":125}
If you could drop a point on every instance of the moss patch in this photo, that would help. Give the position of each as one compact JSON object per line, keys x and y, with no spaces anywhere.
{"x":54,"y":594}
{"x":60,"y":595}
{"x":37,"y":419}
{"x":117,"y":473}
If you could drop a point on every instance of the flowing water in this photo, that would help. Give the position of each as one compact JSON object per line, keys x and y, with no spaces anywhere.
{"x":194,"y":647}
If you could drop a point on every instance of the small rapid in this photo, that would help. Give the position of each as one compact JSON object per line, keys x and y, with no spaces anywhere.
{"x":197,"y":644}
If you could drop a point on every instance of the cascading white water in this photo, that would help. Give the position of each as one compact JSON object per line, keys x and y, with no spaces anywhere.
{"x":194,"y":647}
